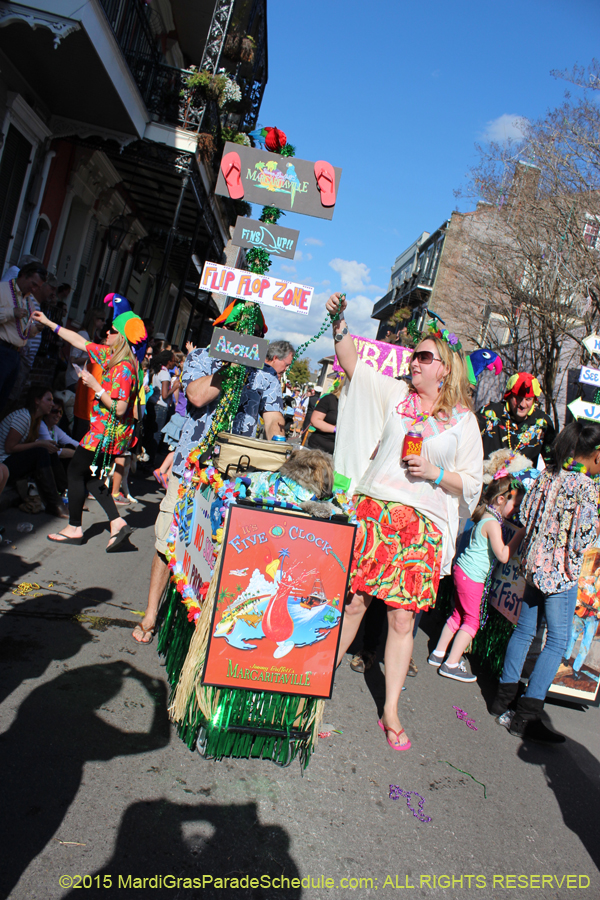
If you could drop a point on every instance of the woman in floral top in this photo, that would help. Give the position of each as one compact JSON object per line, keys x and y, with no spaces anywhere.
{"x":115,"y":396}
{"x":560,"y":514}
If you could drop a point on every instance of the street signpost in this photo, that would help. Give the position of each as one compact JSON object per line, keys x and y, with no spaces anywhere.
{"x":590,"y":376}
{"x":592,"y":343}
{"x":582,"y":410}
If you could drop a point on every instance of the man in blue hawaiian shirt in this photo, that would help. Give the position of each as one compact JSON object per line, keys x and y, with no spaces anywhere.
{"x":201,"y":379}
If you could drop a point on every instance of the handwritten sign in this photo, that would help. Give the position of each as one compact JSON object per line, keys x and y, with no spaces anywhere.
{"x":194,"y":547}
{"x":590,"y":376}
{"x":592,"y":343}
{"x":508,"y":584}
{"x":389,"y":359}
{"x":274,"y":239}
{"x":259,"y":288}
{"x":238,"y":348}
{"x":580,"y":409}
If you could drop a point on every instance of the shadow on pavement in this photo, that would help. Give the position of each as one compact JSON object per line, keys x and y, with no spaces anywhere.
{"x":42,"y":755}
{"x":574,"y":776}
{"x":27,"y":647}
{"x":188,"y":841}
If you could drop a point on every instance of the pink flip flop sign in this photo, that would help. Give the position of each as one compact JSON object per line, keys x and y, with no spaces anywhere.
{"x":231,"y":167}
{"x":325,"y":175}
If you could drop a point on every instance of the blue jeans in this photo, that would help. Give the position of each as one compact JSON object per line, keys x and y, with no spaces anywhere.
{"x":559,"y":610}
{"x":588,"y":627}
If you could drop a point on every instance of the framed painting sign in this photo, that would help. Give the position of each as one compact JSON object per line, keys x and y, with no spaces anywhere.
{"x":279,"y":604}
{"x":578,"y":676}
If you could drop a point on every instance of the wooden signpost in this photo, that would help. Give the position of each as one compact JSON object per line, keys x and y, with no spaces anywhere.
{"x":579,"y":408}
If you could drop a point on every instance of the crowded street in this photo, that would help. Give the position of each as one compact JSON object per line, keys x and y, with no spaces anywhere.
{"x":98,"y":783}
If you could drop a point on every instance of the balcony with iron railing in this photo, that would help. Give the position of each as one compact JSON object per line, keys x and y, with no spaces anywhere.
{"x":164,"y":87}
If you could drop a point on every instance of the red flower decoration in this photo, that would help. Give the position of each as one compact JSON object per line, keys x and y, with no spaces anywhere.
{"x":275,"y":140}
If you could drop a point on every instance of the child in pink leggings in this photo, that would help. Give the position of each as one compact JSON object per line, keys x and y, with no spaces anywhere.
{"x":501,"y":497}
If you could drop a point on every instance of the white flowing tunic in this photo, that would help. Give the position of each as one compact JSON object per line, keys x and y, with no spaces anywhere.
{"x":368,"y":416}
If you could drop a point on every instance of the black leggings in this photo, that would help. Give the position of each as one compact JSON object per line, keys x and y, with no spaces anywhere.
{"x":81,"y":481}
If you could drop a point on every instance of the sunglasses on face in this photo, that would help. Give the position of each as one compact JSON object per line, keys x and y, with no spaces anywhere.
{"x":112,"y":331}
{"x":55,"y":409}
{"x":425,"y":357}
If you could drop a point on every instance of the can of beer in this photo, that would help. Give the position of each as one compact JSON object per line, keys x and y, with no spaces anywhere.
{"x":280,"y":438}
{"x":413,"y":441}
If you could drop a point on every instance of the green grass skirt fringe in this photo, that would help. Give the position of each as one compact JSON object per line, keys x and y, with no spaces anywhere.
{"x":294,"y":719}
{"x":261,"y":711}
{"x":174,"y":633}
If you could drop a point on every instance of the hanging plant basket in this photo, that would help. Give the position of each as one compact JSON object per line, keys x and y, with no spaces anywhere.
{"x":207,"y":147}
{"x":239,"y":47}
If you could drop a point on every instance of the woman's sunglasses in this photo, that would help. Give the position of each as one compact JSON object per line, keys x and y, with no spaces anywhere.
{"x":112,"y":331}
{"x":55,"y":409}
{"x":425,"y":356}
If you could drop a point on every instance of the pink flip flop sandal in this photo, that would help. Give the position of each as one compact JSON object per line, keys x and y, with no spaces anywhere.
{"x":405,"y":746}
{"x":231,"y":167}
{"x":325,"y":175}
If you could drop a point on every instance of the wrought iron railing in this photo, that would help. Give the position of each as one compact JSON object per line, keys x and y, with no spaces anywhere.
{"x":163,"y":87}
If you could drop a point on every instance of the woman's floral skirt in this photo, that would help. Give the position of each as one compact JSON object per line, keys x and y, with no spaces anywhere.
{"x":397,"y":554}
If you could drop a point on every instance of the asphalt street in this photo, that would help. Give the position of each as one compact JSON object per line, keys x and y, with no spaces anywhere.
{"x":99,"y":793}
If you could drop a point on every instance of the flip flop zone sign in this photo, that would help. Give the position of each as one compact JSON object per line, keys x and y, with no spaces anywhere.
{"x":289,"y":183}
{"x":259,"y":288}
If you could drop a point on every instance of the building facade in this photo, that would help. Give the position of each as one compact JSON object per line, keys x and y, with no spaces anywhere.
{"x":110,"y":144}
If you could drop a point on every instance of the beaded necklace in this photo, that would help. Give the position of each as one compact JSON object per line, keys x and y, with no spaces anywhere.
{"x":403,"y":410}
{"x":106,"y":443}
{"x":13,"y":290}
{"x":509,"y":425}
{"x":571,"y":466}
{"x":497,"y":515}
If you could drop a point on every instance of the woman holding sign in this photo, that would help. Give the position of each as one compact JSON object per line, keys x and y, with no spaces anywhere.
{"x":411,"y":455}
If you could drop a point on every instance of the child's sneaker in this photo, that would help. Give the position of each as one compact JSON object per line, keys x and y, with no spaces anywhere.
{"x":120,"y":500}
{"x":435,"y":659}
{"x":458,"y":672}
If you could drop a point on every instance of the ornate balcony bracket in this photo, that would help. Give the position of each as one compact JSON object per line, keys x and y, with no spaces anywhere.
{"x":36,"y":18}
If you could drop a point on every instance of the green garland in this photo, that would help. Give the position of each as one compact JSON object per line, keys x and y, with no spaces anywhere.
{"x":271,"y":214}
{"x":258,"y":260}
{"x":331,"y":318}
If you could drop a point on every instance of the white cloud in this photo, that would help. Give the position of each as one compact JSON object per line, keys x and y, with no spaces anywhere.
{"x":354,"y":275}
{"x":290,"y":269}
{"x":315,"y":241}
{"x":505,"y":128}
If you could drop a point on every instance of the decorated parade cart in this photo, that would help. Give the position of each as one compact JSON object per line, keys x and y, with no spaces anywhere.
{"x":252,"y":619}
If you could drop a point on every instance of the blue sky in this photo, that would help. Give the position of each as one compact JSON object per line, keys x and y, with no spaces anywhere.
{"x":397,"y":94}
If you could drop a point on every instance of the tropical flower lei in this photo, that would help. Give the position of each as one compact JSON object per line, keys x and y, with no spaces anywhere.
{"x":227,"y":491}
